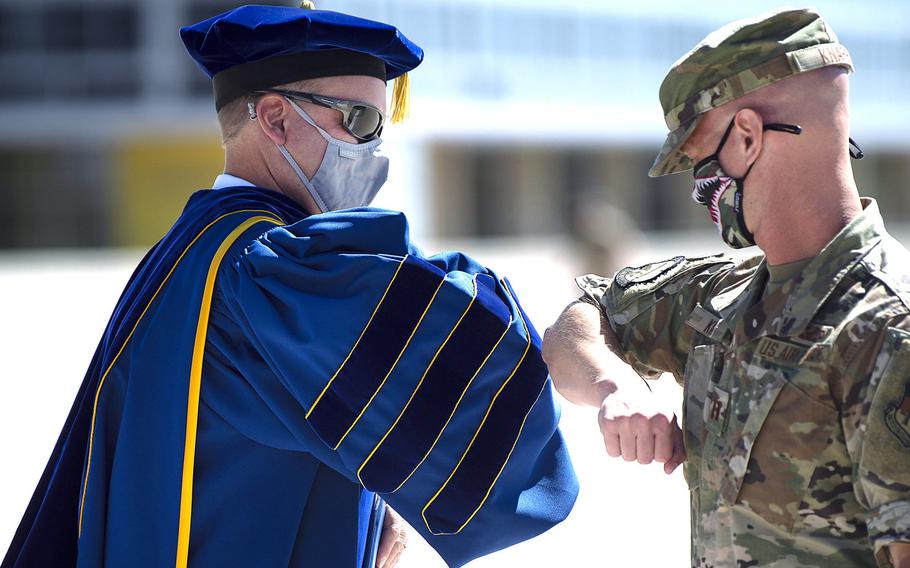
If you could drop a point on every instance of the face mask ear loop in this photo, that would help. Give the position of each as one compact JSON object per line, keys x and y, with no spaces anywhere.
{"x":723,"y":139}
{"x":348,"y":146}
{"x":738,"y":201}
{"x":741,"y":211}
{"x":306,"y":183}
{"x":742,"y":180}
{"x":309,"y":120}
{"x":720,"y":146}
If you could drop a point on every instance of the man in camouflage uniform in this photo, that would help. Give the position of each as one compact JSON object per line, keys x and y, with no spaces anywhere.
{"x":795,"y":363}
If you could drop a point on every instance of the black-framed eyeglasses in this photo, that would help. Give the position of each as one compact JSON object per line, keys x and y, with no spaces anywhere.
{"x":364,"y":122}
{"x":775,"y":126}
{"x":855,"y":151}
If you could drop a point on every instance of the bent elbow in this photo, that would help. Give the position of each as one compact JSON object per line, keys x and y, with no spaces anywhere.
{"x":549,"y":345}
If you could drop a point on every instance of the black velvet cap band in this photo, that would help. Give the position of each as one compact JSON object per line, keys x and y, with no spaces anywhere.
{"x":246,"y":78}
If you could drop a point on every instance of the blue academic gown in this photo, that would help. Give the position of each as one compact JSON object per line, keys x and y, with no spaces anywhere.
{"x":265,"y":372}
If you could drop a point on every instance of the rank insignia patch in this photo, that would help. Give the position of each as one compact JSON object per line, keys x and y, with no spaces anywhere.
{"x":717,"y":400}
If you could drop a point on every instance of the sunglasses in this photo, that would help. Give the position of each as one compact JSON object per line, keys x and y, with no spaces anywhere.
{"x":364,"y":122}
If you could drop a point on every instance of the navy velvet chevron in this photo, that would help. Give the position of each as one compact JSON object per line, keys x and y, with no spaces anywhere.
{"x":335,"y":353}
{"x":493,"y":443}
{"x":437,"y":396}
{"x":422,"y":378}
{"x":387,"y":334}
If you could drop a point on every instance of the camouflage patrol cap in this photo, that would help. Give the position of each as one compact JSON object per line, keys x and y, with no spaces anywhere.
{"x":735,"y":60}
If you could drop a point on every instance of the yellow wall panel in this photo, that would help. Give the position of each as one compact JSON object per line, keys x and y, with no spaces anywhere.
{"x":153,"y":177}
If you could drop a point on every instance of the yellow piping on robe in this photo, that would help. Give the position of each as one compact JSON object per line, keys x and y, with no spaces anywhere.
{"x":91,"y":437}
{"x":192,"y":405}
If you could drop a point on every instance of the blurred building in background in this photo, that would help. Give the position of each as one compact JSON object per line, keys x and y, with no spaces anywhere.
{"x":530,"y":117}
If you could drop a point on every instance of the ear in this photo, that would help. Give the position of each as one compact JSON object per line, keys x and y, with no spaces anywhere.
{"x":747,"y":135}
{"x":271,"y":116}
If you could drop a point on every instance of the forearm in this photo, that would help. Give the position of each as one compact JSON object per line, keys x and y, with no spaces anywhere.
{"x":577,"y":350}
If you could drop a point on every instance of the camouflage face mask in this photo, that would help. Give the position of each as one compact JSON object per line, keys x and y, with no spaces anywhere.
{"x":712,"y":189}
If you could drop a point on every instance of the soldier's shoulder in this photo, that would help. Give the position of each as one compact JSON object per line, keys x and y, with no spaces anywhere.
{"x":635,"y":289}
{"x":683,"y":268}
{"x":888,"y":265}
{"x":875,"y":306}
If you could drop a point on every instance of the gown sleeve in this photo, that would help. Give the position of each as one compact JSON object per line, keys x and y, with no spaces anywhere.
{"x":419,"y":377}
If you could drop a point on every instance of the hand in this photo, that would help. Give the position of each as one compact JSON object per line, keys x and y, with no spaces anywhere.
{"x":393,"y":541}
{"x":633,"y":429}
{"x":585,"y":361}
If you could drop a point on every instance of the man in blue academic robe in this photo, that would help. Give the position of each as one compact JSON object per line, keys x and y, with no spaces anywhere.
{"x":284,"y":355}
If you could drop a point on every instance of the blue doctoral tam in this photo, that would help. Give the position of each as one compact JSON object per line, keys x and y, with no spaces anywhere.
{"x":257,"y":47}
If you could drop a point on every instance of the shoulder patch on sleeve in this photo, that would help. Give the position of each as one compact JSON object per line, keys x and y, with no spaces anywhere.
{"x":893,"y":397}
{"x":658,"y":272}
{"x":647,"y":273}
{"x":887,"y":262}
{"x":635,"y":289}
{"x":888,"y":421}
{"x":897,"y":416}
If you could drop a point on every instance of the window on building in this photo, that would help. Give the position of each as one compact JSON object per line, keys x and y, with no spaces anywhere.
{"x":65,"y":51}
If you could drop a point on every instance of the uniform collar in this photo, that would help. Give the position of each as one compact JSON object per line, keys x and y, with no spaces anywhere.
{"x":787,"y":311}
{"x":227,"y":180}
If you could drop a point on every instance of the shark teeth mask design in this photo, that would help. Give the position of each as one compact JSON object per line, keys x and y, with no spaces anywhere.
{"x":708,"y":191}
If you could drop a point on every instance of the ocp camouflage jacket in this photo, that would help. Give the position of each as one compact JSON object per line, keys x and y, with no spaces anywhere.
{"x":797,"y":402}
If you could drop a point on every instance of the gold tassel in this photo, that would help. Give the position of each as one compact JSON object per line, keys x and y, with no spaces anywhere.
{"x":307,"y":5}
{"x":401,"y":99}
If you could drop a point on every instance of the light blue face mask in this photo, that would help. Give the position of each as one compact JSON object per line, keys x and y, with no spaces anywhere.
{"x":350,"y":175}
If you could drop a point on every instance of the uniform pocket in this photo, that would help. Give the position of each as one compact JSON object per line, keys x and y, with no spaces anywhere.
{"x":752,"y":403}
{"x":786,"y":439}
